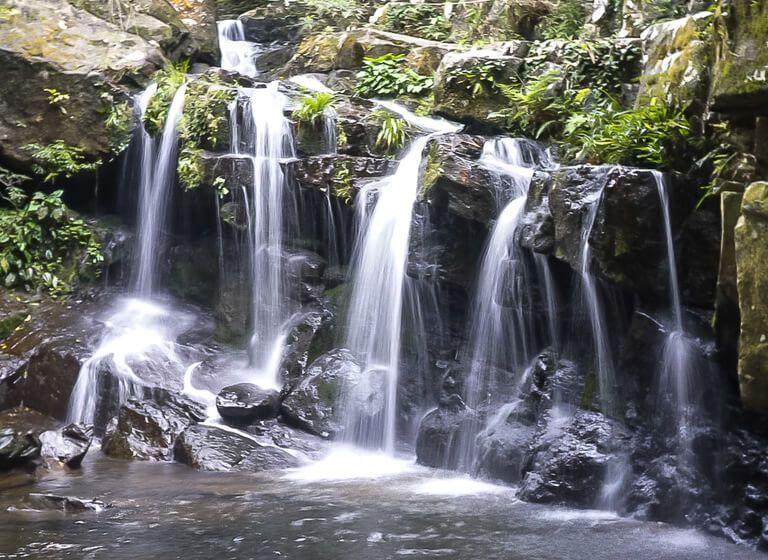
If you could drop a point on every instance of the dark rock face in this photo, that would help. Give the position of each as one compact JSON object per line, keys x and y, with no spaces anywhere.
{"x":309,"y":336}
{"x":314,"y":404}
{"x":18,"y":448}
{"x":571,"y":467}
{"x":68,"y":445}
{"x":147,"y":429}
{"x":51,"y":375}
{"x":210,"y":448}
{"x":445,"y":433}
{"x":246,"y":402}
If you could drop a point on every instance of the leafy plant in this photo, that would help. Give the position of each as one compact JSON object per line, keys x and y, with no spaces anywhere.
{"x":9,"y":179}
{"x":119,"y":124}
{"x":312,"y":108}
{"x":479,"y":79}
{"x":59,"y":158}
{"x":392,"y":132}
{"x":388,"y":76}
{"x":168,"y":80}
{"x":565,"y":22}
{"x":342,"y":183}
{"x":334,"y":14}
{"x":43,"y":245}
{"x":420,"y":20}
{"x":536,"y":108}
{"x":57,"y":99}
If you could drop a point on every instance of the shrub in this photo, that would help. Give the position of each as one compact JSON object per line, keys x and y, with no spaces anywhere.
{"x":334,"y":14}
{"x":392,"y":132}
{"x":387,"y":76}
{"x":168,"y":80}
{"x":59,"y":158}
{"x":565,"y":22}
{"x":479,"y":79}
{"x":312,"y":108}
{"x":420,"y":20}
{"x":43,"y":245}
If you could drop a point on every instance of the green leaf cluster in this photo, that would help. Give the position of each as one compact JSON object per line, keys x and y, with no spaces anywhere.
{"x":480,"y":79}
{"x":168,"y":80}
{"x":387,"y":76}
{"x":419,"y":20}
{"x":331,"y":14}
{"x":311,"y":108}
{"x":565,"y":22}
{"x":393,"y":131}
{"x":59,"y":158}
{"x":43,"y":245}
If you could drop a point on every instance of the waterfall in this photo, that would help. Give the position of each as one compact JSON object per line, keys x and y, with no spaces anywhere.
{"x":678,"y":357}
{"x":156,"y":184}
{"x":503,"y":336}
{"x":375,"y":309}
{"x":265,"y":138}
{"x":236,"y":53}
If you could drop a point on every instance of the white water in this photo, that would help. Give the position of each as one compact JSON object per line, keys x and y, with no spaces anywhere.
{"x":236,"y":53}
{"x":375,"y":309}
{"x":676,"y":374}
{"x":265,"y":138}
{"x":427,"y":124}
{"x":158,"y":178}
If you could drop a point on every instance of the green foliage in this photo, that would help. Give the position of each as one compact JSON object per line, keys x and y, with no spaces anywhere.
{"x":201,"y":126}
{"x":312,"y":107}
{"x":9,"y":179}
{"x":592,"y":125}
{"x":480,"y":79}
{"x":342,"y":183}
{"x":393,"y":131}
{"x":565,"y":22}
{"x":602,"y":64}
{"x":388,"y":76}
{"x":119,"y":123}
{"x":168,"y":80}
{"x":419,"y":20}
{"x":43,"y":246}
{"x":59,"y":158}
{"x":664,"y":9}
{"x":57,"y":99}
{"x":333,"y":14}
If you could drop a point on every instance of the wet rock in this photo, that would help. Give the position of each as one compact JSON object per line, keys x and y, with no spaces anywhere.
{"x":454,"y":94}
{"x":18,"y":447}
{"x":274,"y":432}
{"x":315,"y":404}
{"x":751,"y":255}
{"x":310,"y":335}
{"x":339,"y":174}
{"x":246,"y":402}
{"x":67,"y":445}
{"x":147,"y":429}
{"x":91,"y":62}
{"x":445,"y":434}
{"x":211,"y":448}
{"x":570,"y":465}
{"x":67,"y":504}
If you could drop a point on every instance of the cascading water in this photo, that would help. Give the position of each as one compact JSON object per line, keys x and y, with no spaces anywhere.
{"x":138,"y":332}
{"x":678,"y":358}
{"x":236,"y":53}
{"x":265,"y":138}
{"x":375,"y":309}
{"x":155,"y":192}
{"x":503,"y":336}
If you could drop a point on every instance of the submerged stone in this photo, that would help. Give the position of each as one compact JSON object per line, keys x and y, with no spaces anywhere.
{"x":67,"y":445}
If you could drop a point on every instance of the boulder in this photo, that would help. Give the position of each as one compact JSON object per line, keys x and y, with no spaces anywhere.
{"x":310,"y":335}
{"x":346,"y":50}
{"x":246,"y":402}
{"x":147,"y":429}
{"x":212,"y":448}
{"x":314,"y":405}
{"x":751,"y":255}
{"x":67,"y":445}
{"x":446,"y":434}
{"x":339,"y":174}
{"x":67,"y":504}
{"x":456,"y":96}
{"x":570,"y":465}
{"x":53,"y":45}
{"x":675,"y":60}
{"x":18,"y":447}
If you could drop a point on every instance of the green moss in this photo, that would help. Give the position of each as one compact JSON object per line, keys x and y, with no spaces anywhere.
{"x":432,"y":171}
{"x":9,"y":324}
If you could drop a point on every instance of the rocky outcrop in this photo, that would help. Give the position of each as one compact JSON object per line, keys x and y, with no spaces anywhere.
{"x":18,"y":447}
{"x":675,"y":62}
{"x":67,"y":504}
{"x":460,"y":74}
{"x":314,"y":404}
{"x":147,"y":429}
{"x":751,"y":255}
{"x":68,"y":445}
{"x":53,"y":45}
{"x":210,"y":448}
